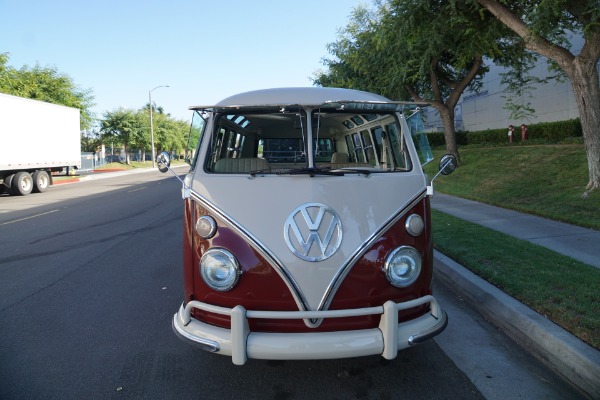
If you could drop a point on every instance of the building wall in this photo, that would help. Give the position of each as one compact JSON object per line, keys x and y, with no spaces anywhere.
{"x":552,"y":101}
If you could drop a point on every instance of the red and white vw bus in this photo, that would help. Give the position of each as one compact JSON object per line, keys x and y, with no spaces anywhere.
{"x":307,"y":230}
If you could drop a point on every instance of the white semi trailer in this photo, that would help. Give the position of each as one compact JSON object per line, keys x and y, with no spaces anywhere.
{"x":36,"y":139}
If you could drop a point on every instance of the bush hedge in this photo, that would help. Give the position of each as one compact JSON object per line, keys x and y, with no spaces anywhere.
{"x":548,"y":132}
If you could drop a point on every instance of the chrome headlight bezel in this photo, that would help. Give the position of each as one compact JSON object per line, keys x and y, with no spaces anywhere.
{"x":403,"y":266}
{"x":206,"y":226}
{"x":219,"y":269}
{"x":414,"y":225}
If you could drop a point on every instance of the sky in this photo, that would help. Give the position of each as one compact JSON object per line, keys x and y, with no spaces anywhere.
{"x":204,"y":51}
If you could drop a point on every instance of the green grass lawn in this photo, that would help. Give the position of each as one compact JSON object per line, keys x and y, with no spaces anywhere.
{"x":544,"y":180}
{"x":558,"y":287}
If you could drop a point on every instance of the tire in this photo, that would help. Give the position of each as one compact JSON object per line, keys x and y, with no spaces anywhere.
{"x":8,"y":184}
{"x":22,"y":183}
{"x":41,"y":181}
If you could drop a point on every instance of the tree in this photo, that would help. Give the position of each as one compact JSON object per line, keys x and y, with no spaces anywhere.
{"x":170,"y":134}
{"x":46,"y":84}
{"x":90,"y":140}
{"x":428,"y":50}
{"x":131,"y":129}
{"x":543,"y":28}
{"x":125,"y":127}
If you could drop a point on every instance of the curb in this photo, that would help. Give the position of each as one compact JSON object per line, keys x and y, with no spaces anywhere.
{"x":571,"y":358}
{"x":63,"y":181}
{"x":108,"y":173}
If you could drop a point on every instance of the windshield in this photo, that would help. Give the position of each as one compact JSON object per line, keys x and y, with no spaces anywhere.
{"x":293,"y":140}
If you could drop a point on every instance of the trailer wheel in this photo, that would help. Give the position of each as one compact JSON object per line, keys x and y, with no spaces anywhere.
{"x":22,"y":183}
{"x":41,"y":181}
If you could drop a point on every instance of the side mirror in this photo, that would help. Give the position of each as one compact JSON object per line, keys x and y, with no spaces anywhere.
{"x":448,"y":164}
{"x":164,"y":161}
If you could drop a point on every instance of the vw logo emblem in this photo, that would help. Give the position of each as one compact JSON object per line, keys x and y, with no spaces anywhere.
{"x":313,"y":232}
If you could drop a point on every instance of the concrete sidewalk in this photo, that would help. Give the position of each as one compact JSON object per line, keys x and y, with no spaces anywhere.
{"x":582,"y":244}
{"x":573,"y":359}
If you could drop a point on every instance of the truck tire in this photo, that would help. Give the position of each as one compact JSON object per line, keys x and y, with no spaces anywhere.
{"x":41,"y":181}
{"x":8,"y":184}
{"x":22,"y":183}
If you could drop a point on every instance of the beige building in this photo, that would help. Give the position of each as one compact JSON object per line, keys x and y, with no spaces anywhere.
{"x":552,"y":101}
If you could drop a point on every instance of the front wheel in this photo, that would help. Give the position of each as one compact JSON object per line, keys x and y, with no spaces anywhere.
{"x":41,"y":181}
{"x":22,"y":183}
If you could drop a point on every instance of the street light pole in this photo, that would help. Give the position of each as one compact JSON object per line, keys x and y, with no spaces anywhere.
{"x":151,"y":127}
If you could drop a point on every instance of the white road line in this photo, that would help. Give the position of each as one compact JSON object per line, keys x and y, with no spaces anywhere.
{"x":23,"y":219}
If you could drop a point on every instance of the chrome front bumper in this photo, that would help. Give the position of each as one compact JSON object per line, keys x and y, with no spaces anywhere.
{"x":240,"y":343}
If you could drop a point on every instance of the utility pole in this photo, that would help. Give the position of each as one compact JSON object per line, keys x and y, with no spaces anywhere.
{"x":151,"y":127}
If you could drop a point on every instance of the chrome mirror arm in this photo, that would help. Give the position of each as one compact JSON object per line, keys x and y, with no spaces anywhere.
{"x":164,"y":164}
{"x":448,"y":164}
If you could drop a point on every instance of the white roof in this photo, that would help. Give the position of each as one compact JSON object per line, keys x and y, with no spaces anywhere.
{"x":301,"y":96}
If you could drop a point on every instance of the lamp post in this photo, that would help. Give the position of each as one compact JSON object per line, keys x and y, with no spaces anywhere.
{"x":151,"y":127}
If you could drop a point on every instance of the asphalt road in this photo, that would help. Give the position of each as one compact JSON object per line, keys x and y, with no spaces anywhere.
{"x":90,"y":276}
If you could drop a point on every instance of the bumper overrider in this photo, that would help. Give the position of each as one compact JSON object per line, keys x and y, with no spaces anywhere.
{"x":240,"y":343}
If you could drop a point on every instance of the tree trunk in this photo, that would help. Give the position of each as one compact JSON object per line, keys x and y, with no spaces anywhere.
{"x":586,"y":87}
{"x":447,"y":116}
{"x":127,"y":158}
{"x":580,"y":69}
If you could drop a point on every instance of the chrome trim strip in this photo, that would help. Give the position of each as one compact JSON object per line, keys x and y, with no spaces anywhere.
{"x":204,"y":344}
{"x":360,"y":251}
{"x":288,"y":279}
{"x":258,"y":246}
{"x":423,"y":336}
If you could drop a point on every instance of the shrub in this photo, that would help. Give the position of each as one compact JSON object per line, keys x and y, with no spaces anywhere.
{"x":546,"y":132}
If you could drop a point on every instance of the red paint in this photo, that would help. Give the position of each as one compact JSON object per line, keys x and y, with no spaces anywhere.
{"x":261,"y":288}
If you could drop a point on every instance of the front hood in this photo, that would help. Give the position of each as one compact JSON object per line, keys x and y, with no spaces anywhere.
{"x":276,"y":214}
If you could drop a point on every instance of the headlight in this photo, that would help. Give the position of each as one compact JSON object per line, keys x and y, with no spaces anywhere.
{"x":219,"y":269}
{"x":402,"y":266}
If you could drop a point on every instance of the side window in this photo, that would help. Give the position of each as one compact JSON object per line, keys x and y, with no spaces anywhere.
{"x":282,"y":150}
{"x":195,"y":137}
{"x":350,"y":146}
{"x":358,"y":148}
{"x":218,"y":145}
{"x":323,"y":149}
{"x":398,"y":148}
{"x":227,"y":140}
{"x":378,"y":134}
{"x":419,"y":138}
{"x":368,"y":146}
{"x":230,"y":144}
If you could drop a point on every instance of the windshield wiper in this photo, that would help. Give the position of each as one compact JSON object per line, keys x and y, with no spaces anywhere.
{"x":358,"y":171}
{"x":260,"y":171}
{"x":312,"y":171}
